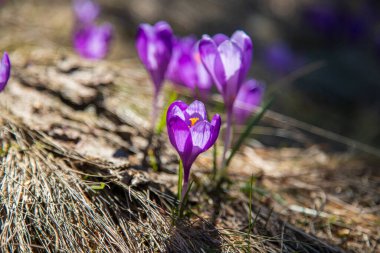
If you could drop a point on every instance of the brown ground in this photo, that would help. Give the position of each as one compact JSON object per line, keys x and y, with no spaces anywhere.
{"x":68,"y":125}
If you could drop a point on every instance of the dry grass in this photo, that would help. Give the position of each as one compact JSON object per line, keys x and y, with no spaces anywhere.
{"x":48,"y":205}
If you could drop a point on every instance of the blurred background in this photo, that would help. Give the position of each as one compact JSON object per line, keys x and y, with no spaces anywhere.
{"x":321,"y":57}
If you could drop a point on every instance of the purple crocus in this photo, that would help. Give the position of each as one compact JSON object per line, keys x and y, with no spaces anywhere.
{"x":93,"y":41}
{"x":186,"y":68}
{"x":86,"y":11}
{"x":154,"y":46}
{"x":5,"y":71}
{"x":247,"y":100}
{"x":228,"y":62}
{"x":190,"y":133}
{"x":182,"y":47}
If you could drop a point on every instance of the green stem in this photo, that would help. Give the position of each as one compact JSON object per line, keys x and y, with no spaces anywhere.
{"x":180,"y":179}
{"x":214,"y":162}
{"x":227,"y":142}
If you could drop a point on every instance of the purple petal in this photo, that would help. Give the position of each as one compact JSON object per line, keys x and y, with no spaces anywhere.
{"x":93,"y":41}
{"x":186,"y":67}
{"x":86,"y":11}
{"x":209,"y":54}
{"x":144,"y":34}
{"x":204,"y":78}
{"x":245,"y":44}
{"x":187,"y":72}
{"x":180,"y":137}
{"x":220,"y":38}
{"x":180,"y":70}
{"x":200,"y":134}
{"x":247,"y":100}
{"x":154,"y":47}
{"x":228,"y":70}
{"x":197,"y":110}
{"x":176,"y":109}
{"x":231,"y":58}
{"x":172,"y":73}
{"x":165,"y":36}
{"x":180,"y":104}
{"x":5,"y":71}
{"x":215,"y":128}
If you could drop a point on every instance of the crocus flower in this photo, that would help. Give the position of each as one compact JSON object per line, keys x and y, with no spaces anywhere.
{"x":247,"y":100}
{"x":5,"y":71}
{"x":181,"y":47}
{"x":154,"y":47}
{"x":190,"y":133}
{"x":186,"y":69}
{"x":86,"y":11}
{"x":227,"y":61}
{"x":93,"y":41}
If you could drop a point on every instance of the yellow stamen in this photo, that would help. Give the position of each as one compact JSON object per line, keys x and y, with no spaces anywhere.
{"x":193,"y":121}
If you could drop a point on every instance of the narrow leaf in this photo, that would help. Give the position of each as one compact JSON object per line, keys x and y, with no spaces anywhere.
{"x":98,"y":187}
{"x":252,"y":122}
{"x":214,"y":162}
{"x":180,"y":179}
{"x":152,"y":160}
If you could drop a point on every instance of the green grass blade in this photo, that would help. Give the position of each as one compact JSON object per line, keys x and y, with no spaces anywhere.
{"x":180,"y":179}
{"x":152,"y":160}
{"x":98,"y":187}
{"x":252,"y":122}
{"x":214,"y":162}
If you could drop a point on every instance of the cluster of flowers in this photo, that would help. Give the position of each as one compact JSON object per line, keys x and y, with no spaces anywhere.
{"x":197,"y":65}
{"x":90,"y":40}
{"x":218,"y":60}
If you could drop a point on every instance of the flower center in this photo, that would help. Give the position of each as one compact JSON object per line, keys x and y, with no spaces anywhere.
{"x":193,"y":121}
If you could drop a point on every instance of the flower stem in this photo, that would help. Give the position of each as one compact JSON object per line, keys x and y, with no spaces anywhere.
{"x":227,"y":143}
{"x":154,"y":110}
{"x":180,"y":181}
{"x":184,"y":190}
